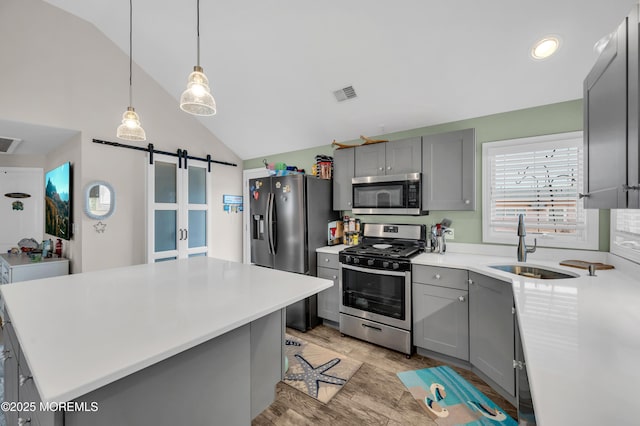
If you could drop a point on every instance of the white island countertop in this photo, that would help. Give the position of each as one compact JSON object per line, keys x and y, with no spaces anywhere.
{"x":81,"y":332}
{"x":581,"y":338}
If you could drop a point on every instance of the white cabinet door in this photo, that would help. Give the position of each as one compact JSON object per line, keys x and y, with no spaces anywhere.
{"x":178,"y":204}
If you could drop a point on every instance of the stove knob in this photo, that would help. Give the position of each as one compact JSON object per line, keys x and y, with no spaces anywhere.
{"x":385,"y":264}
{"x":347,"y":259}
{"x":370,"y":262}
{"x":356,"y":260}
{"x":396,"y":265}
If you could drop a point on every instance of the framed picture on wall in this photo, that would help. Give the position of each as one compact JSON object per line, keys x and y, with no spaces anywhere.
{"x":57,"y":201}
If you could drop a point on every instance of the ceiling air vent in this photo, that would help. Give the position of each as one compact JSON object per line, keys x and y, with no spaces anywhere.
{"x":8,"y":145}
{"x":344,"y":94}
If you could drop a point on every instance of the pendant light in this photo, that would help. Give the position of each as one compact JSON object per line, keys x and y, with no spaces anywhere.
{"x":130,"y":129}
{"x":197,"y":99}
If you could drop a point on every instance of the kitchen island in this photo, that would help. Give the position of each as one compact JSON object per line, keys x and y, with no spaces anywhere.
{"x":194,"y":341}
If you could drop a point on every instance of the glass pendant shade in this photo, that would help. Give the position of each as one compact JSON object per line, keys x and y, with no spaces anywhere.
{"x":197,"y":99}
{"x":130,"y":128}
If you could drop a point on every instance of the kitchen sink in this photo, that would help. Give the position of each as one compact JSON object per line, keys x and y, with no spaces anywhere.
{"x":534,"y":272}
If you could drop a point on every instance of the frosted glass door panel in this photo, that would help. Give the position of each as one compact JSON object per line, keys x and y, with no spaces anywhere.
{"x":178,"y":209}
{"x":198,"y":254}
{"x":197,"y":185}
{"x":197,"y":228}
{"x":165,"y":230}
{"x":165,"y":182}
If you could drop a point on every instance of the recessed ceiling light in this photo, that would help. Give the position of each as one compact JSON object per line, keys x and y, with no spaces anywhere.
{"x":545,"y":47}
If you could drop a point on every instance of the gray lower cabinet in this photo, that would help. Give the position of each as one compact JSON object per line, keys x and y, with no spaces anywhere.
{"x":491,"y":329}
{"x":329,"y":299}
{"x":389,"y":158}
{"x":611,"y":123}
{"x":440,"y":310}
{"x":343,"y":172}
{"x":10,"y":357}
{"x":448,"y":171}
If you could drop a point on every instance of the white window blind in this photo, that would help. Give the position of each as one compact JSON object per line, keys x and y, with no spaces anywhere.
{"x":625,"y":233}
{"x":541,"y":178}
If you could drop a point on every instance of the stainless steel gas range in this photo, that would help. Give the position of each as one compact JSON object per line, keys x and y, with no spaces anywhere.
{"x":375,"y":285}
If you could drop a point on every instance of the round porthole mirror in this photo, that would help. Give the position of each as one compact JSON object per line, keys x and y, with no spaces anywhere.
{"x":99,"y":200}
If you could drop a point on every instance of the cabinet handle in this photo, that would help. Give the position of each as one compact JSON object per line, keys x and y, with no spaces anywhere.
{"x":388,"y":167}
{"x":180,"y":238}
{"x":348,"y":203}
{"x":437,"y":276}
{"x":587,"y":195}
{"x":186,"y":234}
{"x":467,"y":201}
{"x":461,"y":298}
{"x":372,"y":327}
{"x":326,"y":259}
{"x":518,"y":364}
{"x":335,"y":277}
{"x":380,"y":168}
{"x":471,"y":281}
{"x":23,"y":379}
{"x":23,"y":421}
{"x":627,"y":188}
{"x":5,"y":354}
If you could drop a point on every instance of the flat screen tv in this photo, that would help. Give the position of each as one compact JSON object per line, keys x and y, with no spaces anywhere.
{"x":57,"y":199}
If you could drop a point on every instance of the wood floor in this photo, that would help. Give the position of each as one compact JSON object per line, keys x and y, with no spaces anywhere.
{"x":373,"y":396}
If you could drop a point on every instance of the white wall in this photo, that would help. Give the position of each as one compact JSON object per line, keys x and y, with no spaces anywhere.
{"x":58,"y":70}
{"x":28,"y":222}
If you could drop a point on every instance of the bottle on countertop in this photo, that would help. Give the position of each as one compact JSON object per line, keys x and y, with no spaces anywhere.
{"x":345,"y":235}
{"x":59,"y":247}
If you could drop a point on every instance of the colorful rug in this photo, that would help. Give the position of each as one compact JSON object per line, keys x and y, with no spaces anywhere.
{"x":448,"y":399}
{"x":316,"y":371}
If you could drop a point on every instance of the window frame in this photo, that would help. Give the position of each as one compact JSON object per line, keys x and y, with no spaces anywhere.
{"x":625,"y":252}
{"x":590,"y":240}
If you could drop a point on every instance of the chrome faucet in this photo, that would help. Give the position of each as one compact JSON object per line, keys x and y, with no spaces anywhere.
{"x":522,"y":247}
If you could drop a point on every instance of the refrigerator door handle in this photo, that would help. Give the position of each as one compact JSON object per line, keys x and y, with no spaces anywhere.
{"x":270,"y":223}
{"x":274,"y":226}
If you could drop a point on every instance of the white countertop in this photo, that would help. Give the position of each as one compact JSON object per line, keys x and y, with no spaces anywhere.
{"x":332,"y":249}
{"x":581,"y":337}
{"x":81,"y":332}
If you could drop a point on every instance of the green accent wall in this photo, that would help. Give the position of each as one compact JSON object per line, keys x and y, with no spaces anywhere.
{"x":548,"y":119}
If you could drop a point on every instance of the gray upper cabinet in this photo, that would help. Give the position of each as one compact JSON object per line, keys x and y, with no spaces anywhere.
{"x":611,"y":122}
{"x":370,"y":160}
{"x":343,"y":171}
{"x":403,"y":156}
{"x":448,"y":171}
{"x":491,"y":329}
{"x":389,"y":158}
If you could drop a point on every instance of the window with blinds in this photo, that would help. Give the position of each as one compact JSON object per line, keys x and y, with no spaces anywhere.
{"x":541,"y":178}
{"x":625,"y":233}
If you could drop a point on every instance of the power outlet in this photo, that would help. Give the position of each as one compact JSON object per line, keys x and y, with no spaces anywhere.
{"x":450,"y":234}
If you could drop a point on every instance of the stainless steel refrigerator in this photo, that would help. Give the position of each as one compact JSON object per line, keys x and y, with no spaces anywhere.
{"x":289,"y":216}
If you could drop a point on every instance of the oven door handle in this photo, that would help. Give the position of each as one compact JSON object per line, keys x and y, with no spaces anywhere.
{"x":375,"y":271}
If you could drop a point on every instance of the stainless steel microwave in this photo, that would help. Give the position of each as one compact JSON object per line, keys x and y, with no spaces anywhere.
{"x":391,"y":194}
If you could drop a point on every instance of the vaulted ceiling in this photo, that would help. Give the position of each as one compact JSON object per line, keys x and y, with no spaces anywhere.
{"x":273,"y":64}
